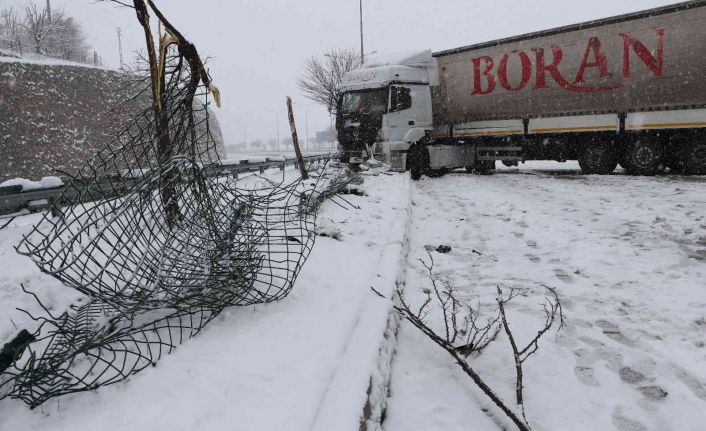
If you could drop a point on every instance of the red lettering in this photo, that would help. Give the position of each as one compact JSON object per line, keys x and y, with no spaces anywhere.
{"x":485,"y":72}
{"x":553,"y":69}
{"x":526,"y":71}
{"x":600,"y":61}
{"x":654,"y":63}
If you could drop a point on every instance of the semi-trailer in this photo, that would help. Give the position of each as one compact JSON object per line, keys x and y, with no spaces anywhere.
{"x":626,"y":90}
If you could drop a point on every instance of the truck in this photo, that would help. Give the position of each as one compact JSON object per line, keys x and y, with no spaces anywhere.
{"x":628,"y":90}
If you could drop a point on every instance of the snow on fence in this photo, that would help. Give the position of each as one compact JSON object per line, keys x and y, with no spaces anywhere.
{"x":160,"y":237}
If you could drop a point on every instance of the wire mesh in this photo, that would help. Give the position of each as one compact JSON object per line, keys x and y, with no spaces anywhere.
{"x":161,"y":249}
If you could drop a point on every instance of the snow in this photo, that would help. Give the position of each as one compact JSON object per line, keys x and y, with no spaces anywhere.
{"x":408,"y":58}
{"x":8,"y":53}
{"x":628,"y":257}
{"x":48,"y":61}
{"x":368,"y":343}
{"x":266,"y":367}
{"x":28,"y":185}
{"x":626,"y":254}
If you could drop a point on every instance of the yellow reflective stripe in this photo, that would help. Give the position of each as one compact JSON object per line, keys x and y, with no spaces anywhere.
{"x":666,"y":125}
{"x":573,"y":129}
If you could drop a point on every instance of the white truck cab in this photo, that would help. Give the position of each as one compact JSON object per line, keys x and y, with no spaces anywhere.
{"x":385,"y":107}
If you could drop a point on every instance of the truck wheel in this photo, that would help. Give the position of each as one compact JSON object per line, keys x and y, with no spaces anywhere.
{"x":675,"y":164}
{"x":643,"y":157}
{"x":598,"y":158}
{"x":694,"y":158}
{"x":484,"y":167}
{"x":437,"y":173}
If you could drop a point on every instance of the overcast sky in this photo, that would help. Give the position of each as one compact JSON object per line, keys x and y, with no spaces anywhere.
{"x":258,"y":47}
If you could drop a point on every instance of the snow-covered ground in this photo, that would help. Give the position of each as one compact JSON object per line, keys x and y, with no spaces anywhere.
{"x":628,"y":257}
{"x":267,"y":367}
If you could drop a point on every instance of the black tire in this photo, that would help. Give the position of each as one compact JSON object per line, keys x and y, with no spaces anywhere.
{"x":436,"y":173}
{"x":484,"y":167}
{"x":693,"y":157}
{"x":598,"y":158}
{"x":675,"y":165}
{"x":644,"y":157}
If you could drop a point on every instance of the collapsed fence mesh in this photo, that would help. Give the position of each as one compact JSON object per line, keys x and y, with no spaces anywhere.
{"x":159,"y":247}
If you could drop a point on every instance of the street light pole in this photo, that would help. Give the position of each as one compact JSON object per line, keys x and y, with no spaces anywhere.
{"x":362,"y":49}
{"x":120,"y":47}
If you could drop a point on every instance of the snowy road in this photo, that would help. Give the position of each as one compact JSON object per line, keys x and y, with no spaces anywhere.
{"x":628,"y":257}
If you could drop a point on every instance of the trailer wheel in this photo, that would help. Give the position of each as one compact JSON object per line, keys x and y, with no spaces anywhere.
{"x":694,"y":158}
{"x":643,"y":157}
{"x":598,"y":158}
{"x":484,"y":167}
{"x":675,"y":164}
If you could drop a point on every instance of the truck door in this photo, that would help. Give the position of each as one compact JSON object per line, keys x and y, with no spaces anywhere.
{"x":409,"y":109}
{"x":398,"y":118}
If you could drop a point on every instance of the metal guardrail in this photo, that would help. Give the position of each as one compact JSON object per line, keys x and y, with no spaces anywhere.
{"x":14,"y":201}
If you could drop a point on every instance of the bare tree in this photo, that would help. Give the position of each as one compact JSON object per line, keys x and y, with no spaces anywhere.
{"x":323,"y":76}
{"x":67,"y":41}
{"x":53,"y":35}
{"x":11,"y":31}
{"x":41,"y":27}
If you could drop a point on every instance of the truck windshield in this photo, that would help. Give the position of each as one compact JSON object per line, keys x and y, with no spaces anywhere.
{"x":368,"y":100}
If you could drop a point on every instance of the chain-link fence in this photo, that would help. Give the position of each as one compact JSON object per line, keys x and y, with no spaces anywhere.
{"x":161,"y":249}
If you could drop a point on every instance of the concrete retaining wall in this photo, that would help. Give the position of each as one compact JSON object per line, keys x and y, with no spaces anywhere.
{"x":55,"y":118}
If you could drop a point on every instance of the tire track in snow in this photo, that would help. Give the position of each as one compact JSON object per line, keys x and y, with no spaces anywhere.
{"x":627,"y":255}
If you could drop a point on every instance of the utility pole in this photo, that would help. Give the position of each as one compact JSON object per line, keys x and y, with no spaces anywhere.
{"x":120,"y":47}
{"x":362,"y":49}
{"x":49,"y":10}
